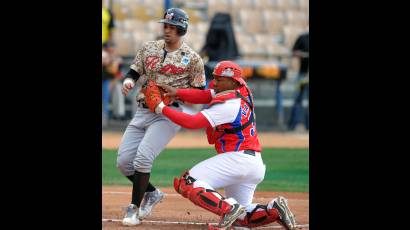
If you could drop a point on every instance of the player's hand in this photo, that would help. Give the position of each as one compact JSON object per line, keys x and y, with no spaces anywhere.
{"x":170,"y":91}
{"x":127,"y":85}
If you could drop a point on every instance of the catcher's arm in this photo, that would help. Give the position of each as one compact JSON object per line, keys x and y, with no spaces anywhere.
{"x":156,"y":102}
{"x":195,"y":96}
{"x":188,"y":121}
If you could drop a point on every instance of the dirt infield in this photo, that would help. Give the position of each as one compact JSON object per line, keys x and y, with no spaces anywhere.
{"x":176,"y":212}
{"x":197,"y":139}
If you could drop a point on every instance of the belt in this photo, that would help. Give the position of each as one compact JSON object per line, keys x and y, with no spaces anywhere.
{"x":174,"y":104}
{"x":249,"y":152}
{"x":143,"y":105}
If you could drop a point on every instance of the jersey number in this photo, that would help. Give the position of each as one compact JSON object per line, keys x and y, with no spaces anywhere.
{"x":252,"y":130}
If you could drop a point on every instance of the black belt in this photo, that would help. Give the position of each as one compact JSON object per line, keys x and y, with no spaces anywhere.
{"x":146,"y":107}
{"x":249,"y":152}
{"x":174,"y":104}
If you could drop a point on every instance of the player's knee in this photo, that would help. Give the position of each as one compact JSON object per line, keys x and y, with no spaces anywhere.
{"x":260,"y":178}
{"x":142,"y":164}
{"x":124,"y":165}
{"x":144,"y":159}
{"x":260,"y":174}
{"x":184,"y":184}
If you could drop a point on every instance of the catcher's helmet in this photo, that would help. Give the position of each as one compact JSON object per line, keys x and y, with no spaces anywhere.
{"x":229,"y":69}
{"x":178,"y":18}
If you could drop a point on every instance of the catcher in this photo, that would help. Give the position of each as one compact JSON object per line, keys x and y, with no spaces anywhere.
{"x":169,"y":61}
{"x":238,"y":167}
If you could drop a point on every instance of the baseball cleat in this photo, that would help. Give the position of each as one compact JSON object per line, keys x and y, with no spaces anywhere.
{"x":286,"y":217}
{"x":131,"y":216}
{"x":231,"y":216}
{"x":149,"y":201}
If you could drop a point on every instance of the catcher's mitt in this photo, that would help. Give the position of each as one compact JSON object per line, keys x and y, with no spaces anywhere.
{"x":154,"y":95}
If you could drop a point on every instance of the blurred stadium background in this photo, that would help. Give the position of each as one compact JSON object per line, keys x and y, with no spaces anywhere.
{"x":265,"y":31}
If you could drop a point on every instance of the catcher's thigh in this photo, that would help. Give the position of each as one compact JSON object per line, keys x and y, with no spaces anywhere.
{"x":237,"y":172}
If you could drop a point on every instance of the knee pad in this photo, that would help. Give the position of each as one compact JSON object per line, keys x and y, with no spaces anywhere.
{"x":202,"y":197}
{"x":184,"y":184}
{"x":259,"y":216}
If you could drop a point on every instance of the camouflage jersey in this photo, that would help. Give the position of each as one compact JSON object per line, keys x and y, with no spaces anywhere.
{"x":182,"y":68}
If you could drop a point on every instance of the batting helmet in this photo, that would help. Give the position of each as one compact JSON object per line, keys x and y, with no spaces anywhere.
{"x":229,"y":69}
{"x":178,"y":18}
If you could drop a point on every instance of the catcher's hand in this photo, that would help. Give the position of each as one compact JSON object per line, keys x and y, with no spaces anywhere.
{"x":154,"y":95}
{"x":170,"y":91}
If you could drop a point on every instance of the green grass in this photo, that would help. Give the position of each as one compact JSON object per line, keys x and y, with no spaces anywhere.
{"x":287,"y":169}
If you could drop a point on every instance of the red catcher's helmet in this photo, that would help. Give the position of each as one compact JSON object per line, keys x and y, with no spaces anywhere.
{"x":229,"y":69}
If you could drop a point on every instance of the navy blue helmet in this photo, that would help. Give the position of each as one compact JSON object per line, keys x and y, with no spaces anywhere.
{"x":178,"y":18}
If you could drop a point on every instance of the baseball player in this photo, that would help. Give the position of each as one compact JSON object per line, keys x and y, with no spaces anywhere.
{"x":169,"y":61}
{"x":238,"y":167}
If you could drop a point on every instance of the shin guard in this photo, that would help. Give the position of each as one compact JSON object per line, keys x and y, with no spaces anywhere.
{"x":202,"y":197}
{"x":259,"y":216}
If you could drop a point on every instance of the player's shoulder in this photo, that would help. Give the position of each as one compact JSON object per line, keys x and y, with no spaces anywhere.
{"x":226,"y":94}
{"x":189,"y":51}
{"x":156,"y":44}
{"x":223,"y":97}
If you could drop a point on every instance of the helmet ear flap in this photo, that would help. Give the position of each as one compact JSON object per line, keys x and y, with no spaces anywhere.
{"x":180,"y":31}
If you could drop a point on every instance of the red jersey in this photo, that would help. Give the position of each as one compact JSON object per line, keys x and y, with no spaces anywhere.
{"x":240,"y":134}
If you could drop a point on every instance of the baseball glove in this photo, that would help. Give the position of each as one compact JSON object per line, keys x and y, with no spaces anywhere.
{"x":154,"y":95}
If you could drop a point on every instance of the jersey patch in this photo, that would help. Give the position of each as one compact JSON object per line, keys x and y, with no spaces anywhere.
{"x":185,"y":60}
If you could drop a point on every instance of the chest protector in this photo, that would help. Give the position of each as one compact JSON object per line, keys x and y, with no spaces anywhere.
{"x":240,"y":134}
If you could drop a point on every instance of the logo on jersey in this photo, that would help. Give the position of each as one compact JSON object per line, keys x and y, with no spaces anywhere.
{"x":151,"y":62}
{"x":168,"y":68}
{"x":227,"y":73}
{"x":185,"y":60}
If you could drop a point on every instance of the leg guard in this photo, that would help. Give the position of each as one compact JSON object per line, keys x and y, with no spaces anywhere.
{"x":259,"y":216}
{"x":202,"y":197}
{"x":182,"y":184}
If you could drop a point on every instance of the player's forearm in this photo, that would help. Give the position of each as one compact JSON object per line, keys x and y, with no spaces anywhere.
{"x":188,"y":121}
{"x":195,"y":96}
{"x":133,"y":75}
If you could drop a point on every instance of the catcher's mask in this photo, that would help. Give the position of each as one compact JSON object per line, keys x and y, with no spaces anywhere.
{"x":178,"y":18}
{"x":229,"y":69}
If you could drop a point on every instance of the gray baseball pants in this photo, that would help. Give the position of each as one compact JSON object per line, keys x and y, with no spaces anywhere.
{"x":145,"y":137}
